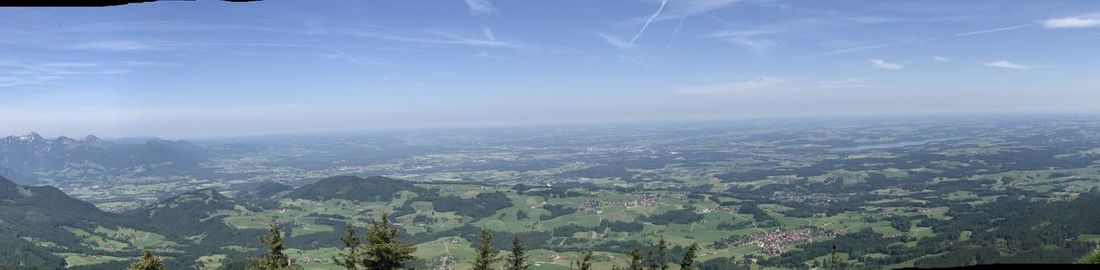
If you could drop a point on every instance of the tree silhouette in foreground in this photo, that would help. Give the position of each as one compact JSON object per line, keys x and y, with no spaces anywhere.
{"x":147,"y":262}
{"x":585,"y":263}
{"x":486,"y":255}
{"x":688,"y":261}
{"x":1091,"y":258}
{"x":659,"y":261}
{"x":349,"y":260}
{"x":636,"y":260}
{"x":518,"y":259}
{"x":383,"y":251}
{"x":275,"y":259}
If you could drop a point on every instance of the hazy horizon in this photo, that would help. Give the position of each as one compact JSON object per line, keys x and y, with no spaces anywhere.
{"x":787,"y":121}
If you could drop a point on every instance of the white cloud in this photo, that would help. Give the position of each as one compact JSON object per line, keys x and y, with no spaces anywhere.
{"x":987,"y":31}
{"x":882,"y":64}
{"x":1006,"y":64}
{"x":1073,"y":22}
{"x":941,"y":59}
{"x":481,"y":7}
{"x":768,"y":84}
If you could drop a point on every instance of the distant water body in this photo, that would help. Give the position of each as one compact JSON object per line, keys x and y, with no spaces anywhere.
{"x":891,"y":145}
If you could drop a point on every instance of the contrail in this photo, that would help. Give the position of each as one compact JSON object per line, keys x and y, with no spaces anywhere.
{"x":676,"y":33}
{"x":648,"y":21}
{"x":346,"y":56}
{"x":991,"y":30}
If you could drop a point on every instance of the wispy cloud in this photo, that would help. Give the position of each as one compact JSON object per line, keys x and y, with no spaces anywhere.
{"x":632,"y":60}
{"x":768,"y":84}
{"x":882,"y":64}
{"x":429,"y":37}
{"x":21,"y":74}
{"x":488,"y":33}
{"x":487,"y":55}
{"x":760,"y":84}
{"x":150,"y":63}
{"x":880,"y":46}
{"x":486,"y":37}
{"x":764,"y":37}
{"x":481,"y":7}
{"x":114,"y":45}
{"x":11,"y":81}
{"x":994,"y":30}
{"x":679,"y":10}
{"x":676,"y":32}
{"x":1092,"y":20}
{"x":752,"y":40}
{"x":941,"y":59}
{"x":341,"y":55}
{"x":1006,"y":64}
{"x":858,"y":49}
{"x":686,"y":8}
{"x":616,"y":41}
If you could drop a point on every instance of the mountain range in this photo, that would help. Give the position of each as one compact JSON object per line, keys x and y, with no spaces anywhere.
{"x":30,"y":158}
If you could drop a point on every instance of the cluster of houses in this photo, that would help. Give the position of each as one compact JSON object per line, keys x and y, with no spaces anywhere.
{"x":777,"y":241}
{"x":643,"y":199}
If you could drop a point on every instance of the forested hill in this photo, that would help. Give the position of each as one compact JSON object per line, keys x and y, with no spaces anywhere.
{"x":197,"y":217}
{"x":374,"y":188}
{"x":44,"y":215}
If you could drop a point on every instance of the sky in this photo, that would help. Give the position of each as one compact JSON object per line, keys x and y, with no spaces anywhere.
{"x":215,"y":69}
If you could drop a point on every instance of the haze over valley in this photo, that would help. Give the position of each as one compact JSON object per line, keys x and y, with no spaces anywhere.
{"x":549,"y":135}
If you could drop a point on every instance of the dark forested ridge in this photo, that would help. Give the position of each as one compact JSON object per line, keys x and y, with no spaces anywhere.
{"x":41,"y":213}
{"x":374,"y":188}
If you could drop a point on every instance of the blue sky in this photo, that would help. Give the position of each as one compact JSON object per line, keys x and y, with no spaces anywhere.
{"x":209,"y":68}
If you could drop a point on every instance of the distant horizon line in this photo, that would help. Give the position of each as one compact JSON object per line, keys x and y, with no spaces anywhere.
{"x":695,"y":121}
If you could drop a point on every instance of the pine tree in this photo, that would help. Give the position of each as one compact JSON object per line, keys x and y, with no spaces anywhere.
{"x":350,"y":259}
{"x":688,"y":261}
{"x":486,"y":255}
{"x":147,"y":262}
{"x":275,"y":259}
{"x":660,"y":260}
{"x":383,"y":251}
{"x":833,"y":262}
{"x":518,"y":259}
{"x":636,"y":260}
{"x":586,"y":261}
